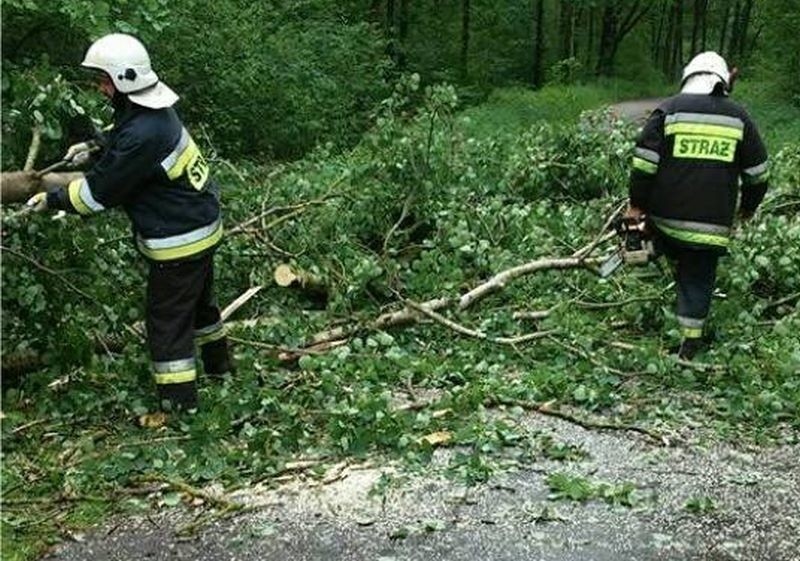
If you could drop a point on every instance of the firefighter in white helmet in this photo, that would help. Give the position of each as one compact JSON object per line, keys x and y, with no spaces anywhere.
{"x":151,"y":167}
{"x":690,"y":159}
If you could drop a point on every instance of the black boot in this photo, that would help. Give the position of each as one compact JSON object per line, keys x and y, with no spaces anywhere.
{"x":690,"y":347}
{"x":179,"y":396}
{"x":216,"y":358}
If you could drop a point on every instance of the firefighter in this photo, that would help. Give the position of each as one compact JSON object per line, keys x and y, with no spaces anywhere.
{"x":690,"y":159}
{"x":151,"y":167}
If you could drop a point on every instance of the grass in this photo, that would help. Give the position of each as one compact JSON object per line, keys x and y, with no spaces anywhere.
{"x":777,"y":119}
{"x":514,"y":110}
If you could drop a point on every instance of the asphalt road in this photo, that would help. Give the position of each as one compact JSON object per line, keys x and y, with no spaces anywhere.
{"x":638,"y":109}
{"x":751,"y":513}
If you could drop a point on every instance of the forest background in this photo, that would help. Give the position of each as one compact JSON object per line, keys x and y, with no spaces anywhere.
{"x":392,"y":149}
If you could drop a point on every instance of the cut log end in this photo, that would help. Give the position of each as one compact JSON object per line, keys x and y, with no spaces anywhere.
{"x":285,"y":276}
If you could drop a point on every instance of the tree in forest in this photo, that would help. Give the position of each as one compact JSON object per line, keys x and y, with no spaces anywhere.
{"x":465,"y":9}
{"x":537,"y":76}
{"x":619,"y":17}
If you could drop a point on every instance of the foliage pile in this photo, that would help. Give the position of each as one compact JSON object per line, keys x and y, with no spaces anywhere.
{"x":419,"y":208}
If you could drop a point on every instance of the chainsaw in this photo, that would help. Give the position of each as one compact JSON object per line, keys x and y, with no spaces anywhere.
{"x":635,"y":246}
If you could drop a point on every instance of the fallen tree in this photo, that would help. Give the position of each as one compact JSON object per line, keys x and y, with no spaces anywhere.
{"x":19,"y":186}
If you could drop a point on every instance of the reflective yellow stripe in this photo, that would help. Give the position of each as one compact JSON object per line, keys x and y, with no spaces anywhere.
{"x":74,"y":190}
{"x":189,"y":153}
{"x":692,"y":332}
{"x":175,"y":377}
{"x":180,"y":251}
{"x":711,"y":130}
{"x":702,"y":238}
{"x":644,"y":165}
{"x":201,"y":337}
{"x":754,"y":179}
{"x":702,"y":147}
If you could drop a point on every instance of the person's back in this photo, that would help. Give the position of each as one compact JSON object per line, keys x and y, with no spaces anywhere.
{"x":705,"y":142}
{"x":689,"y":161}
{"x":152,"y":168}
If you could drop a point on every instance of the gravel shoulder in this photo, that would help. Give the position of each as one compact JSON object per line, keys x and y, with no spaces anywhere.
{"x":755,"y":516}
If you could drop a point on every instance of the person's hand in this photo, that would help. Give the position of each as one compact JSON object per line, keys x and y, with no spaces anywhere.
{"x":37,"y":203}
{"x":79,"y":154}
{"x":634,"y":212}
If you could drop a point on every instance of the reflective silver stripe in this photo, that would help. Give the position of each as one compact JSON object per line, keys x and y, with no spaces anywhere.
{"x":693,"y":323}
{"x":86,"y":196}
{"x":706,"y":119}
{"x":181,"y":239}
{"x":183,"y":142}
{"x":757,"y":170}
{"x":647,"y":154}
{"x":208,"y":330}
{"x":166,"y":366}
{"x":688,"y":225}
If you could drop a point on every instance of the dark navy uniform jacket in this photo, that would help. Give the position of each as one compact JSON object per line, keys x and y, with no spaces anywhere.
{"x":153,"y":169}
{"x":694,"y":155}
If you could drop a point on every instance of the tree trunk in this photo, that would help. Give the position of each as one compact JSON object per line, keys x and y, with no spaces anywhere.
{"x":744,"y":27}
{"x":577,"y":19}
{"x":657,"y":46}
{"x":695,"y":24}
{"x":669,"y":37}
{"x":733,"y":44}
{"x":590,"y":37}
{"x":375,"y":10}
{"x":402,"y":28}
{"x":566,"y":28}
{"x":679,"y":38}
{"x":607,"y":32}
{"x":465,"y":13}
{"x":615,"y":28}
{"x":389,"y":14}
{"x":538,"y":45}
{"x":704,"y":25}
{"x":675,"y":54}
{"x":392,"y":47}
{"x":724,"y":32}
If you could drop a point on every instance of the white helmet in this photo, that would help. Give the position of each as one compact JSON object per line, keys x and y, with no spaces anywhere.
{"x":712,"y":66}
{"x":127,"y":63}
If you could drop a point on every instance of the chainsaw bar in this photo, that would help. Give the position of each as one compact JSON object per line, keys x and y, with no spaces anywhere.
{"x":611,"y":264}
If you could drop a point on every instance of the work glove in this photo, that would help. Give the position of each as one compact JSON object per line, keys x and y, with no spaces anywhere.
{"x":79,"y":154}
{"x":37,"y":203}
{"x":634,"y":212}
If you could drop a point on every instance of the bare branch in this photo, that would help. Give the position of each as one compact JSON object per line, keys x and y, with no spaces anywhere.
{"x":501,"y":279}
{"x":458,"y":328}
{"x":33,"y":150}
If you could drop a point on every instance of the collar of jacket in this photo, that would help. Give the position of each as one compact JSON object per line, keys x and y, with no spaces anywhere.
{"x":124,"y":109}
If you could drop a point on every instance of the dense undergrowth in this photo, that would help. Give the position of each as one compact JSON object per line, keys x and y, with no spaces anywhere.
{"x":428,"y":204}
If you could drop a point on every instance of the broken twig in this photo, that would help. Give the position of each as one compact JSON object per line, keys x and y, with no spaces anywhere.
{"x":458,"y":328}
{"x":501,"y":279}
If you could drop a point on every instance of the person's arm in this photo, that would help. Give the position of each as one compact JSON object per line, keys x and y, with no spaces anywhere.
{"x":111,"y":182}
{"x":646,"y":159}
{"x":754,"y":170}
